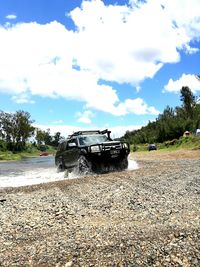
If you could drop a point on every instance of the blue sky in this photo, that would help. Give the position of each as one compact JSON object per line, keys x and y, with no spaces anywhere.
{"x":97,"y":64}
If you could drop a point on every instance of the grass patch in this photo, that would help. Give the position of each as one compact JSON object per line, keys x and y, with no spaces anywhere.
{"x":9,"y":156}
{"x":190,"y":142}
{"x":31,"y":151}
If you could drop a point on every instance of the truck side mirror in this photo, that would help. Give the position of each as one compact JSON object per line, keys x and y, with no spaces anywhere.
{"x":72,"y":145}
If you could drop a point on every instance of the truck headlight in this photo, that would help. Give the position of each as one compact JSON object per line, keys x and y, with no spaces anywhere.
{"x":95,"y":149}
{"x":125,"y":145}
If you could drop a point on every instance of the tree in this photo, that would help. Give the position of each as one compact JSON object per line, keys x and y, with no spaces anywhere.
{"x":188,"y":100}
{"x":24,"y":129}
{"x":172,"y":123}
{"x":40,"y":136}
{"x":56,"y":139}
{"x":48,"y":137}
{"x":6,"y":126}
{"x":15,"y":129}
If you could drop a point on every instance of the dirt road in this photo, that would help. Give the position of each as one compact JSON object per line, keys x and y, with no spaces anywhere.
{"x":145,"y":217}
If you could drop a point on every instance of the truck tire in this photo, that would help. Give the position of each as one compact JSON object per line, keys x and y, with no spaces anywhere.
{"x":84,"y":165}
{"x":60,"y":168}
{"x":123,"y":165}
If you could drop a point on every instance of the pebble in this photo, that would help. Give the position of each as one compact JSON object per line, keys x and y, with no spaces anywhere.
{"x":145,"y":217}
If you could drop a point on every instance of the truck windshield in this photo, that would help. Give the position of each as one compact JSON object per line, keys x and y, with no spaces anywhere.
{"x":92,"y":139}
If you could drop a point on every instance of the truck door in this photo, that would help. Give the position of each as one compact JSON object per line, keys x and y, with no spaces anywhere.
{"x":71,"y":153}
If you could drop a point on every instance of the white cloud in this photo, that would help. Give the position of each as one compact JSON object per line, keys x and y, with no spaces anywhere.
{"x":185,"y":80}
{"x":128,"y":45}
{"x":58,"y":122}
{"x":85,"y":116}
{"x":11,"y":16}
{"x":191,"y":50}
{"x":136,"y":3}
{"x":22,"y":98}
{"x":119,"y":131}
{"x":136,"y":106}
{"x":124,"y":44}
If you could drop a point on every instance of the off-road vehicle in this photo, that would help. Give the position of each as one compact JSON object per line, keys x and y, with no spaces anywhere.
{"x":91,"y":151}
{"x":152,"y":147}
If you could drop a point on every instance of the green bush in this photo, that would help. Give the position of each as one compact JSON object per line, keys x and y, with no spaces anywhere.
{"x":171,"y":142}
{"x":42,"y":147}
{"x":3,"y":146}
{"x":134,"y":148}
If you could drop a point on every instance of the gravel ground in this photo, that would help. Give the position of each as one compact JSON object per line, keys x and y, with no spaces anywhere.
{"x":146,"y":217}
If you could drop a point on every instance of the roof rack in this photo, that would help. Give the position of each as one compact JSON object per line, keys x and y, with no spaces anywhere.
{"x":90,"y":132}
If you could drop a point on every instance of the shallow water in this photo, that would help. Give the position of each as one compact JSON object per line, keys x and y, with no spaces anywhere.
{"x":35,"y":171}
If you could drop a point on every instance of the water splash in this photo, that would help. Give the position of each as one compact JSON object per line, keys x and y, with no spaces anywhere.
{"x":16,"y":178}
{"x":31,"y":177}
{"x":132,"y":165}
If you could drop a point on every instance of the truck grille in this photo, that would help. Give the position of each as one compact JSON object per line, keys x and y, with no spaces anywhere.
{"x":111,"y":146}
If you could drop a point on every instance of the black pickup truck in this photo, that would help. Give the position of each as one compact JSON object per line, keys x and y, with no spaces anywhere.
{"x":92,"y":151}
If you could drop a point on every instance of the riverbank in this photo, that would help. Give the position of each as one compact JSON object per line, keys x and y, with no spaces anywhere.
{"x":146,"y":217}
{"x":10,"y":156}
{"x":191,"y":142}
{"x":167,"y":155}
{"x":30,"y":153}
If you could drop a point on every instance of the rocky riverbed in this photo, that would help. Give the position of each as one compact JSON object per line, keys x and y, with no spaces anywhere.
{"x":144,"y":217}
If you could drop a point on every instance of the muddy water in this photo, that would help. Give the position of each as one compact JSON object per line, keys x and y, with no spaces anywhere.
{"x":35,"y":171}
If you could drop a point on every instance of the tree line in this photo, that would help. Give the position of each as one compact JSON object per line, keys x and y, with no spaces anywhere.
{"x":16,"y":130}
{"x":171,"y":124}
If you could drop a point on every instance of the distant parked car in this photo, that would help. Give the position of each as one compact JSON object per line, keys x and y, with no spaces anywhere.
{"x":44,"y":154}
{"x":152,"y":147}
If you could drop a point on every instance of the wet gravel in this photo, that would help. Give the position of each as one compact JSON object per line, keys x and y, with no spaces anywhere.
{"x":145,"y":217}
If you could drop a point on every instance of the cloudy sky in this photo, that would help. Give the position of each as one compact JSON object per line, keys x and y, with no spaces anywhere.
{"x":97,"y":64}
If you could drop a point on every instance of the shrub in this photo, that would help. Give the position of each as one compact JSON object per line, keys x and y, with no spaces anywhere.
{"x":3,"y":146}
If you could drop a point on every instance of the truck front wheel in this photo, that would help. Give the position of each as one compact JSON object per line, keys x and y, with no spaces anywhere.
{"x":84,"y":165}
{"x":123,"y":165}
